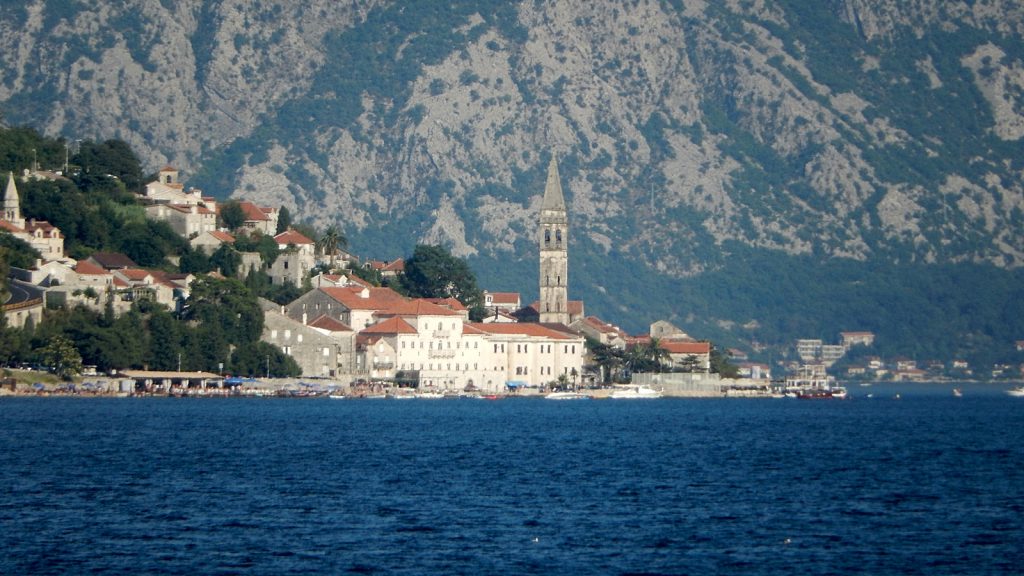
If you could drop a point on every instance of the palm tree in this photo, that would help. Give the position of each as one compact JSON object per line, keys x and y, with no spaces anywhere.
{"x":330,"y":241}
{"x":658,"y":353}
{"x":647,"y":356}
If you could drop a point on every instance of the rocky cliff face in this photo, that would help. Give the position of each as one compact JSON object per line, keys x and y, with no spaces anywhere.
{"x":849,"y":128}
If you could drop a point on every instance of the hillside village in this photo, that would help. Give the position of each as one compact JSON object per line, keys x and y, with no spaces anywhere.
{"x":342,"y":327}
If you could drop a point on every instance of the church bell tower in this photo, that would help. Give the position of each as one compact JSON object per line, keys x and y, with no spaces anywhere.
{"x":553,"y":235}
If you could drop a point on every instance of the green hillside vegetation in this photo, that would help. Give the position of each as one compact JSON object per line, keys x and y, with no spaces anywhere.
{"x":95,"y":209}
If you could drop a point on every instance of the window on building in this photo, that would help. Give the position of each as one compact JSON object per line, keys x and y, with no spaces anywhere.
{"x":327,"y":351}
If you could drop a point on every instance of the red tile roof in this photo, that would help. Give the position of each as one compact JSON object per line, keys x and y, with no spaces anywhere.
{"x":223,"y":236}
{"x":395,"y":266}
{"x":417,"y":307}
{"x":291,"y":237}
{"x":253,"y":213}
{"x":520,"y":329}
{"x":325,"y":322}
{"x":134,"y":274}
{"x":510,"y":298}
{"x":390,"y":326}
{"x":450,"y":303}
{"x":88,"y":268}
{"x":349,"y":296}
{"x":686,"y":347}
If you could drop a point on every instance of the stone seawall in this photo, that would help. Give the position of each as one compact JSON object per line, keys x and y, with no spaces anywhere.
{"x":684,"y":385}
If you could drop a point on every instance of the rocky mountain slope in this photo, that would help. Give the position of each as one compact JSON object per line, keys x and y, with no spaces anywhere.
{"x":688,"y":132}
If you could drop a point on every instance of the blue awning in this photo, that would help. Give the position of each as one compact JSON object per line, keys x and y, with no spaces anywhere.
{"x":516,"y":384}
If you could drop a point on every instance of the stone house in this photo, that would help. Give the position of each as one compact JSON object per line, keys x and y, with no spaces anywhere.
{"x":211,"y":240}
{"x":295,"y":260}
{"x":187,"y":220}
{"x":323,"y":348}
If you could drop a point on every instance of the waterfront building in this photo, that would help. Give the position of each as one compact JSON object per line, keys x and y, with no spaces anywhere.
{"x":325,"y":347}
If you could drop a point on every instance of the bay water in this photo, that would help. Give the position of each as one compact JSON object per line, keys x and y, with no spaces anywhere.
{"x":924,"y":484}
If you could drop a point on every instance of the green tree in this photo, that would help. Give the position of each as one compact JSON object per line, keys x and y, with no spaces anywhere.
{"x":164,"y":342}
{"x":227,"y":260}
{"x":62,"y":357}
{"x":607,"y":358}
{"x":432,"y":272}
{"x":330,"y":241}
{"x":262,"y":244}
{"x":194,"y":262}
{"x":284,"y":220}
{"x":720,"y":364}
{"x":232,"y":215}
{"x":647,"y":356}
{"x":15,"y":252}
{"x":113,"y":158}
{"x":262,"y":359}
{"x":228,"y":305}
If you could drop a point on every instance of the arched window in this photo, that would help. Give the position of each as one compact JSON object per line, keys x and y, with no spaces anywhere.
{"x":547,"y":236}
{"x":558,"y":236}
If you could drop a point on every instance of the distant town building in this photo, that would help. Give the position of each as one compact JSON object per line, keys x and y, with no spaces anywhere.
{"x":851,"y":339}
{"x":296,"y":258}
{"x":696,"y":355}
{"x":809,"y":350}
{"x":665,"y":330}
{"x":506,"y":302}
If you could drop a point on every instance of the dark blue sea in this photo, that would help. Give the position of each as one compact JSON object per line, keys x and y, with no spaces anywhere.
{"x":924,"y":484}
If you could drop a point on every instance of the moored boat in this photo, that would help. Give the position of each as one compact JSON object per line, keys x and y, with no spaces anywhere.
{"x":633,"y":392}
{"x":1018,"y":391}
{"x":566,"y":396}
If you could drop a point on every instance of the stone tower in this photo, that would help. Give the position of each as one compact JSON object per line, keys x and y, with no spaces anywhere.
{"x":553,"y":235}
{"x":11,"y":205}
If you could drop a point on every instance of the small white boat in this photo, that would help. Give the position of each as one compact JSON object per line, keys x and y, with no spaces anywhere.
{"x":1018,"y":391}
{"x":636,"y":392}
{"x":430,"y":395}
{"x":566,"y":396}
{"x":958,"y":392}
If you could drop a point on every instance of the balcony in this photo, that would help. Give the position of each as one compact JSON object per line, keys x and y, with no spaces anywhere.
{"x":448,"y":353}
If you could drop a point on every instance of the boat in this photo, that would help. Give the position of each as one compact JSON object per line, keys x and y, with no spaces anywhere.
{"x":811,"y":382}
{"x":566,"y":396}
{"x":430,"y":395}
{"x":958,"y":392}
{"x":1018,"y":391}
{"x":633,"y":392}
{"x":814,"y":394}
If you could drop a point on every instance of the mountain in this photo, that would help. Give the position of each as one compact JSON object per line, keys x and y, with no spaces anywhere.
{"x":752,"y":170}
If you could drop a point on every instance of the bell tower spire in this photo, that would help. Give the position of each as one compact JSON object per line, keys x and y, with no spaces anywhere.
{"x":553,"y":236}
{"x":12,"y":206}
